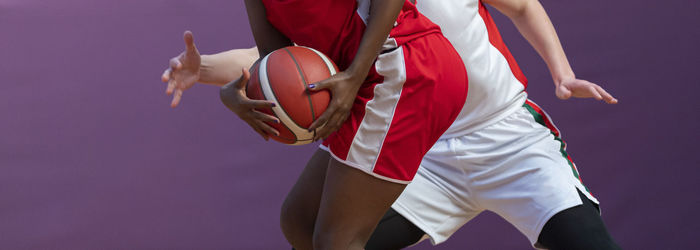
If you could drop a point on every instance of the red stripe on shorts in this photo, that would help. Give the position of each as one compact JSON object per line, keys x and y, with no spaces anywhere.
{"x":497,"y":41}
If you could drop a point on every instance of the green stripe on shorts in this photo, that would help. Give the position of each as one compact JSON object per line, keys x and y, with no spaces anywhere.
{"x":539,"y":118}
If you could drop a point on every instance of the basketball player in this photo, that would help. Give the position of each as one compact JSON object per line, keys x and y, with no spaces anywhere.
{"x":370,"y":128}
{"x":462,"y":174}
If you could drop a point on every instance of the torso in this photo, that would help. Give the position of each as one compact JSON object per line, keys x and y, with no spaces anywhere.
{"x":335,"y":27}
{"x":496,"y":83}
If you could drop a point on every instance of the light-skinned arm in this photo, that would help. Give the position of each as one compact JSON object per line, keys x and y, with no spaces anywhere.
{"x":226,"y":69}
{"x":190,"y":67}
{"x":221,"y":68}
{"x":533,"y":23}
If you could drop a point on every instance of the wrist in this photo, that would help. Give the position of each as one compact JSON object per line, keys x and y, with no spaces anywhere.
{"x":357,"y":73}
{"x":562,"y":76}
{"x":205,"y":68}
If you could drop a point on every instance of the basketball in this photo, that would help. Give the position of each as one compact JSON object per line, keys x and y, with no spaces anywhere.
{"x":283,"y":77}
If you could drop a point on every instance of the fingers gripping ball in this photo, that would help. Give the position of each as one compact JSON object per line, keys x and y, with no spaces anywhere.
{"x":283,"y":77}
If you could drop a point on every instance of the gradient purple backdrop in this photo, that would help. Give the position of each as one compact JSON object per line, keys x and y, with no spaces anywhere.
{"x":91,"y":155}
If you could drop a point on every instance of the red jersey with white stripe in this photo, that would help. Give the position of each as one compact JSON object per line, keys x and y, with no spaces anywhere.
{"x":496,"y":83}
{"x":413,"y":93}
{"x":335,"y":27}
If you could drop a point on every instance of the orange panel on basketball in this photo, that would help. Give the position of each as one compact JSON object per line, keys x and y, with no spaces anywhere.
{"x":283,"y":77}
{"x":314,"y":69}
{"x":289,"y":87}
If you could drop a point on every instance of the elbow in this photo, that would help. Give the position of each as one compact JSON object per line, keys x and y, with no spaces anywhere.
{"x":521,"y":10}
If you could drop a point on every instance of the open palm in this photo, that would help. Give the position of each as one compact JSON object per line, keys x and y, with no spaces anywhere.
{"x":183,"y":72}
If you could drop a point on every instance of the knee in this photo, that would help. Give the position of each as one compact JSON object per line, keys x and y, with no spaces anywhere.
{"x":289,"y":220}
{"x":296,"y":225}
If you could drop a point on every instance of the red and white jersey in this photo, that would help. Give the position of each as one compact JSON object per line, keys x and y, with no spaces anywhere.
{"x":336,"y":27}
{"x":414,"y":91}
{"x":496,"y":83}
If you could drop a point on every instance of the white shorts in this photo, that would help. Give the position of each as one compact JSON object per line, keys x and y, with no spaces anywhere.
{"x":517,"y":168}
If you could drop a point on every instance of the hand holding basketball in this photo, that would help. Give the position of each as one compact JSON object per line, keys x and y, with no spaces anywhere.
{"x":233,"y":95}
{"x":283,"y":77}
{"x":343,"y":87}
{"x":582,"y":89}
{"x":183,"y":71}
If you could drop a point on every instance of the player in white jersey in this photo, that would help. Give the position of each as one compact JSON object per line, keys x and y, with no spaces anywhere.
{"x":502,"y":154}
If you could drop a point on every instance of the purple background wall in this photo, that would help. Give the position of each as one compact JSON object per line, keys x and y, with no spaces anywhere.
{"x":91,"y":156}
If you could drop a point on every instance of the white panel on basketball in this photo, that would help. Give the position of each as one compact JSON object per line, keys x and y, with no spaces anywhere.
{"x":303,"y":136}
{"x":327,"y":60}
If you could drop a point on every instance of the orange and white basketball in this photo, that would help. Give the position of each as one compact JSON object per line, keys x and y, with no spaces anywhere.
{"x":283,"y":77}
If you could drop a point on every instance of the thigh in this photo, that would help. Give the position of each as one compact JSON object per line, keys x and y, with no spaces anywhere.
{"x":299,"y":209}
{"x":352,"y":204}
{"x":579,"y":227}
{"x":438,"y":199}
{"x":528,"y":193}
{"x":524,"y":174}
{"x":411,"y":99}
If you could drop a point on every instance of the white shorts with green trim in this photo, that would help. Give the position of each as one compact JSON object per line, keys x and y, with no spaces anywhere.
{"x":517,"y":167}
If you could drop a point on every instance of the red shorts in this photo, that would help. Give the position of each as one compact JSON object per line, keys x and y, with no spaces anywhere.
{"x":412,"y":96}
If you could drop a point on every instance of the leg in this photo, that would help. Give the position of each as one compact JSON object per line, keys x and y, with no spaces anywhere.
{"x":579,"y":227}
{"x":301,"y":205}
{"x":394,"y":232}
{"x":352,"y":204}
{"x":384,"y":140}
{"x":438,"y":201}
{"x":535,"y":179}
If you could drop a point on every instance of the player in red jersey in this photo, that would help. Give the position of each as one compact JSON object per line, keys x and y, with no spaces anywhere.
{"x":383,"y":117}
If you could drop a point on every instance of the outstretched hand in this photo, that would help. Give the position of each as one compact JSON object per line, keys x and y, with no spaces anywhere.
{"x":582,"y":89}
{"x":343,"y":87}
{"x":234,"y":97}
{"x":183,"y":72}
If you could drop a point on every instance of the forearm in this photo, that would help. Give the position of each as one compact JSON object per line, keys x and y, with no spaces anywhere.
{"x":383,"y":14}
{"x":221,"y":68}
{"x":267,"y":37}
{"x":534,"y":24}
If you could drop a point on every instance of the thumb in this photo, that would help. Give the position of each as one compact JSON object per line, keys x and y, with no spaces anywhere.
{"x":563,"y":92}
{"x":319,"y":85}
{"x":243,"y":80}
{"x":189,"y":42}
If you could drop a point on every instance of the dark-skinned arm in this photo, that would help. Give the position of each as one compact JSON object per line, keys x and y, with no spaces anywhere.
{"x":344,"y":85}
{"x":233,"y":94}
{"x":267,"y":37}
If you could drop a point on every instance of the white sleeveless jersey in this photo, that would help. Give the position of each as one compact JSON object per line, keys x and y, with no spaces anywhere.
{"x":496,"y":83}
